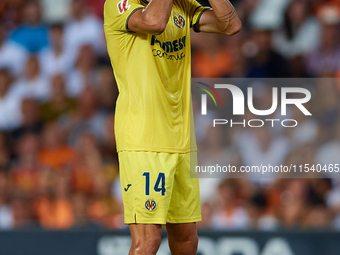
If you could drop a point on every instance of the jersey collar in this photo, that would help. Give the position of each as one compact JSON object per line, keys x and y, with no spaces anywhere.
{"x":145,"y":1}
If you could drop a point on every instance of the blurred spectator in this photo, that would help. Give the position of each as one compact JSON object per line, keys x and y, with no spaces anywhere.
{"x":83,"y":28}
{"x":96,"y":7}
{"x":10,"y":116}
{"x":211,"y":58}
{"x":11,"y":13}
{"x":12,"y":55}
{"x":84,"y":74}
{"x":86,"y":118}
{"x":55,"y":153}
{"x":104,"y":209}
{"x":294,"y":203}
{"x":59,"y":103}
{"x":333,"y":202}
{"x":80,"y":211}
{"x":4,"y":153}
{"x":236,"y":43}
{"x":22,"y":213}
{"x":207,"y":212}
{"x":27,"y":169}
{"x":34,"y":83}
{"x":264,"y":61}
{"x":87,"y":175}
{"x":318,"y":218}
{"x":301,"y":33}
{"x":245,"y":9}
{"x":268,"y":14}
{"x":6,"y":214}
{"x":53,"y":12}
{"x":30,"y":119}
{"x":55,"y":211}
{"x":259,"y":218}
{"x":326,"y":59}
{"x":55,"y":59}
{"x":231,"y":214}
{"x":32,"y":34}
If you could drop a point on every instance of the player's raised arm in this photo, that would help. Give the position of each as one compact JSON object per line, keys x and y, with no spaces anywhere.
{"x":222,"y":19}
{"x":153,"y":19}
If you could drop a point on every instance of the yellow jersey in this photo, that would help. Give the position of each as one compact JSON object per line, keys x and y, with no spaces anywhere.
{"x":153,"y":111}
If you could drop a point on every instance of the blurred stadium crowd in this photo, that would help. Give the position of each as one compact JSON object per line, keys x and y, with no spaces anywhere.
{"x":58,"y":164}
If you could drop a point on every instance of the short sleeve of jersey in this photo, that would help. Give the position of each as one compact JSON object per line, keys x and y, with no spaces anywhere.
{"x":195,"y":12}
{"x":118,"y":12}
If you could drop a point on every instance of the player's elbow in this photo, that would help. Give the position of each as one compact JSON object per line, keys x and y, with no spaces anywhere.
{"x":233,"y":28}
{"x":156,"y":26}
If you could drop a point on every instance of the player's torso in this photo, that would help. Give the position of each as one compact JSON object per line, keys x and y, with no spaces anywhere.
{"x":172,"y":43}
{"x":153,"y":76}
{"x":168,"y":52}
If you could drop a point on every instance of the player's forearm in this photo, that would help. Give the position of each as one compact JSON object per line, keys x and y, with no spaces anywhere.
{"x":228,"y":21}
{"x":156,"y":14}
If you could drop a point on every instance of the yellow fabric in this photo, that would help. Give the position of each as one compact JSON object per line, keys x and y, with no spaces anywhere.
{"x":153,"y":75}
{"x":180,"y":202}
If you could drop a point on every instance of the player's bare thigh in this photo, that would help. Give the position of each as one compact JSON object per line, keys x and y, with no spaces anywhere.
{"x":183,"y":238}
{"x":146,"y":239}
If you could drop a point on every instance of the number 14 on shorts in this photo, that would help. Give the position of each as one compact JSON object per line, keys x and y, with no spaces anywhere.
{"x":159,"y":185}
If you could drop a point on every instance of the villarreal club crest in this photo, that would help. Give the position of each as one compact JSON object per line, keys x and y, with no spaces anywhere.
{"x":150,"y":204}
{"x":179,"y":20}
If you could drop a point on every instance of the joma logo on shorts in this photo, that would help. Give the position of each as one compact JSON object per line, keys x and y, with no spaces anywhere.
{"x":127,"y":187}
